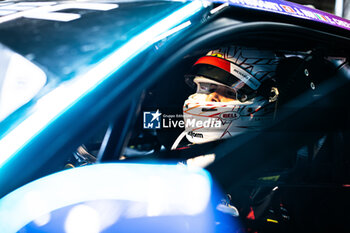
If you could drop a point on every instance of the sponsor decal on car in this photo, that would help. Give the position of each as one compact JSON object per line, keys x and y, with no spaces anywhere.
{"x":48,"y":10}
{"x":292,"y":9}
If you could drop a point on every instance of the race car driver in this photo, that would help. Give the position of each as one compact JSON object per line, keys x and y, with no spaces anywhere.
{"x":235,"y":92}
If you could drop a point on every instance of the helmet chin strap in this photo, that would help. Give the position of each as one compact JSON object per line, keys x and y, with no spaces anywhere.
{"x":178,"y":140}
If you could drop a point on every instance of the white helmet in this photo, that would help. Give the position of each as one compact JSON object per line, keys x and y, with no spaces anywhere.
{"x":244,"y":79}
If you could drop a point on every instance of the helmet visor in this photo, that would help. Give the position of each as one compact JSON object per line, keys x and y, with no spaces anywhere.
{"x":238,"y":91}
{"x":208,"y":88}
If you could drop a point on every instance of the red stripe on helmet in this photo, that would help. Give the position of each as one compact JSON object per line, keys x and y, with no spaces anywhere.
{"x":214,"y":61}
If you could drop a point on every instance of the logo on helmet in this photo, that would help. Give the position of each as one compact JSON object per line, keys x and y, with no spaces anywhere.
{"x":195,"y":135}
{"x":229,"y":116}
{"x":217,"y":55}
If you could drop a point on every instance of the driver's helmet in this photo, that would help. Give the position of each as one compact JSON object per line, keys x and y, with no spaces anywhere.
{"x":235,"y":93}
